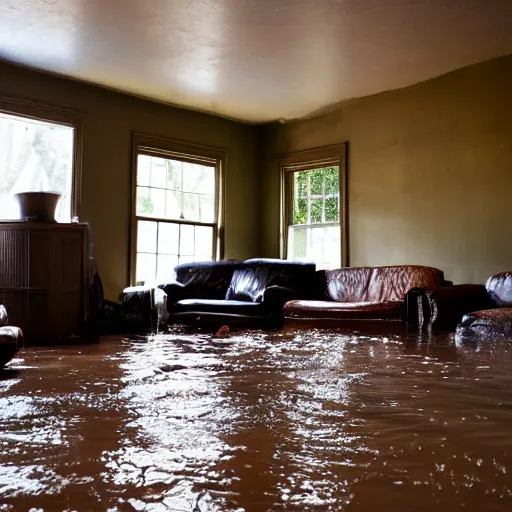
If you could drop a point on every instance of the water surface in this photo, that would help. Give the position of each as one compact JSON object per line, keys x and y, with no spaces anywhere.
{"x":295,"y":420}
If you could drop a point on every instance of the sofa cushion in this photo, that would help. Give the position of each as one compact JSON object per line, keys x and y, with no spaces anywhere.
{"x":207,"y":306}
{"x":379,"y":284}
{"x":499,"y":287}
{"x":488,"y":324}
{"x":250,"y":281}
{"x":208,"y":279}
{"x":390,"y":311}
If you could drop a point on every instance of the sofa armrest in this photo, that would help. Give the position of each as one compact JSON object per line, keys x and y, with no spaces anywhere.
{"x":449,"y":304}
{"x":162,"y":312}
{"x":275,"y":297}
{"x":417,"y":309}
{"x":3,"y":316}
{"x":174,"y":292}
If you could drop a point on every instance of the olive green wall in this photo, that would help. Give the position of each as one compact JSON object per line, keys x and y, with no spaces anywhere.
{"x":109,"y":119}
{"x":430,"y":172}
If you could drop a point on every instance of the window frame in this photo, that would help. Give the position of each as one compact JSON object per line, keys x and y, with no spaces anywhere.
{"x":37,"y":111}
{"x":307,"y":160}
{"x":186,"y":152}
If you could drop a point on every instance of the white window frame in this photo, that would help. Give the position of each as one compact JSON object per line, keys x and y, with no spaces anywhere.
{"x":328,"y":156}
{"x":185,"y":152}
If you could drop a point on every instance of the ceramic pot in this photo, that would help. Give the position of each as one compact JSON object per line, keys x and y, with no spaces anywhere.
{"x":38,"y":206}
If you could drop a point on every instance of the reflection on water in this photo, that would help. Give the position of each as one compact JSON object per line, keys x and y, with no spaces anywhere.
{"x":297,"y":420}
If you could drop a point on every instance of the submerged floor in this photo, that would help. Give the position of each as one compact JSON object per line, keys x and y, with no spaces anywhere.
{"x":281,"y":421}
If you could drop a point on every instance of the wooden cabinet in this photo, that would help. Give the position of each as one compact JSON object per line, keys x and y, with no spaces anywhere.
{"x":43,"y":277}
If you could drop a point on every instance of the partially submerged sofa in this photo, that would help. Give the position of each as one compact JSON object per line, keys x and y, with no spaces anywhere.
{"x":251,"y":292}
{"x":11,"y":338}
{"x":475,"y":312}
{"x":353,"y":295}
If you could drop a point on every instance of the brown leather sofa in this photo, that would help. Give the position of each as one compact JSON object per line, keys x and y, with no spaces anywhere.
{"x":475,"y":312}
{"x":373,"y":294}
{"x":11,"y":338}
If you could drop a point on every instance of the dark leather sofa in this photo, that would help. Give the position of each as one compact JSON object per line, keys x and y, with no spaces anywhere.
{"x":372,"y":294}
{"x":475,"y":312}
{"x":11,"y":338}
{"x":251,"y":292}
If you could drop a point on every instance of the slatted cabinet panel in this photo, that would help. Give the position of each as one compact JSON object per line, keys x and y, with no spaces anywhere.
{"x":43,"y":277}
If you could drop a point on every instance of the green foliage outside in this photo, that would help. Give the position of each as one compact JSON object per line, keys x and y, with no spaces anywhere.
{"x":317,"y":182}
{"x":144,"y":206}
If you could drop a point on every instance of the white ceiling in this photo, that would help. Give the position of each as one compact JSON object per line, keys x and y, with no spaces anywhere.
{"x":253,"y":60}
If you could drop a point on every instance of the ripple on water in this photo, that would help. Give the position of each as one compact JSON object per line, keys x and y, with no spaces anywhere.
{"x":290,"y":420}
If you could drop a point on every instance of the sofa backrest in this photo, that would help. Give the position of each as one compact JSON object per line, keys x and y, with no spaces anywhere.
{"x":379,"y":284}
{"x":207,"y":279}
{"x":499,"y":287}
{"x":255,"y":275}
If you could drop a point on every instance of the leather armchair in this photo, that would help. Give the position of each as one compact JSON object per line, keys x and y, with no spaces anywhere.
{"x":470,"y":309}
{"x":11,"y":338}
{"x":442,"y":308}
{"x":492,"y":321}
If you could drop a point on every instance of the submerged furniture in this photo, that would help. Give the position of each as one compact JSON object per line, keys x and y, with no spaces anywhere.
{"x":364,"y":294}
{"x":11,"y":338}
{"x":252,"y":292}
{"x":44,"y":277}
{"x":206,"y":280}
{"x":476,"y":312}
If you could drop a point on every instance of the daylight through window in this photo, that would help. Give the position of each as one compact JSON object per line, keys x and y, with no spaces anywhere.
{"x":176,"y":215}
{"x":314,"y":232}
{"x":35,"y":156}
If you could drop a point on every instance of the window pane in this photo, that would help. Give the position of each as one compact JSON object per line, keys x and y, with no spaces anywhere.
{"x":35,"y":156}
{"x":146,"y":267}
{"x":316,"y":211}
{"x":204,"y":242}
{"x":173,"y":205}
{"x":146,"y":236}
{"x":191,"y":207}
{"x":168,"y":238}
{"x":207,"y":180}
{"x":321,"y":244}
{"x":158,"y":172}
{"x":144,"y":205}
{"x":165,"y":268}
{"x":300,"y":211}
{"x":316,"y":178}
{"x":206,"y":208}
{"x":157,"y":201}
{"x":332,"y":180}
{"x":191,"y":177}
{"x":174,"y":171}
{"x":301,"y":183}
{"x":186,"y":240}
{"x":177,"y":190}
{"x":332,"y":212}
{"x":143,"y":170}
{"x":186,"y":259}
{"x":297,"y":243}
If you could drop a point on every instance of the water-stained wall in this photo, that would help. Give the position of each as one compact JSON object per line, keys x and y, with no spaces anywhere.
{"x":109,"y":119}
{"x":430,"y":172}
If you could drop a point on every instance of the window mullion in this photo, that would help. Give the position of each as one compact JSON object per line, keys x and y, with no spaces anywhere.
{"x":323,"y":201}
{"x":309,"y":199}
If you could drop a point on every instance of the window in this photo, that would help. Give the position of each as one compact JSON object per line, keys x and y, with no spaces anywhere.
{"x":314,"y":213}
{"x":177,"y":207}
{"x":38,"y":152}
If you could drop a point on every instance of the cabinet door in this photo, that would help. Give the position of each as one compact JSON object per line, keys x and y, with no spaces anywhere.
{"x":13,"y":258}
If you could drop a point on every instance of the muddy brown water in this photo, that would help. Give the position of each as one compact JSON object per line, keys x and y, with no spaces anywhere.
{"x":297,"y":420}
